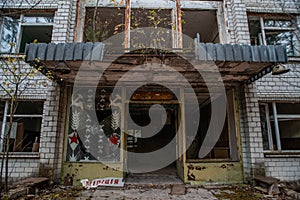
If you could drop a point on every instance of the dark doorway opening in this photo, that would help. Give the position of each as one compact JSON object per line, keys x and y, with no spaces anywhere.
{"x":144,"y":141}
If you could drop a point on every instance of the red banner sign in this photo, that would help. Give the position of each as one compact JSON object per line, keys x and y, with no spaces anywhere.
{"x":114,"y":182}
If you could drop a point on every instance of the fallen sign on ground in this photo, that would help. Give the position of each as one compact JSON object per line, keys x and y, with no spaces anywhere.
{"x":114,"y":182}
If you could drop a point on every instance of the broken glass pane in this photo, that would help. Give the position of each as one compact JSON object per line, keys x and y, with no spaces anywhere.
{"x":10,"y":29}
{"x":278,"y":23}
{"x":282,"y":38}
{"x":264,"y":127}
{"x":38,"y":19}
{"x":289,"y":134}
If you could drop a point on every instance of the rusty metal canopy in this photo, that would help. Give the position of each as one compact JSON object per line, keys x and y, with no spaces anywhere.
{"x":236,"y":63}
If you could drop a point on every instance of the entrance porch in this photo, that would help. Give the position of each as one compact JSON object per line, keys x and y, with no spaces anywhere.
{"x":100,"y":140}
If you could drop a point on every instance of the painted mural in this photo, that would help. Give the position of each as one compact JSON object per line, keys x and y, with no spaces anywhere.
{"x":94,"y":127}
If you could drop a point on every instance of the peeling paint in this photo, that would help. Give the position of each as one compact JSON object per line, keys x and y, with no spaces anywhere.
{"x":190,"y":167}
{"x":200,"y":168}
{"x":214,"y":173}
{"x":91,"y":171}
{"x":68,"y":180}
{"x":191,"y":176}
{"x":223,"y":166}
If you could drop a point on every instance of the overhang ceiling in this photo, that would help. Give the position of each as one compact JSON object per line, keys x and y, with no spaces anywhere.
{"x":235,"y":63}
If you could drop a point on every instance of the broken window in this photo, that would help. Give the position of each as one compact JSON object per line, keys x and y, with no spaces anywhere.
{"x":9,"y":32}
{"x":151,"y":18}
{"x":102,"y":23}
{"x":280,"y":123}
{"x":226,"y":145}
{"x":274,"y":30}
{"x":26,"y":127}
{"x":23,"y":29}
{"x":202,"y":22}
{"x":221,"y":150}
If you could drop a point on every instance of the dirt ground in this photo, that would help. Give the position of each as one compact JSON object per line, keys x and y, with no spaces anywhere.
{"x":234,"y":192}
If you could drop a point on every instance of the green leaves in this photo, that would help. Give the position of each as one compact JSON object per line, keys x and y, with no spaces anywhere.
{"x":16,"y":75}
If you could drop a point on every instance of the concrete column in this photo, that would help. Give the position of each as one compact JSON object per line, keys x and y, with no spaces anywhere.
{"x":252,"y":141}
{"x":49,"y":132}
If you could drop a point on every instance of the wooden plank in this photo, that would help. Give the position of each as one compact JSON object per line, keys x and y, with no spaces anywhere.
{"x":19,"y":138}
{"x":232,"y":126}
{"x":182,"y":125}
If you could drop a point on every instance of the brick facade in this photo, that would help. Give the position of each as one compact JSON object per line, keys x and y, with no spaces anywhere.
{"x":286,"y":168}
{"x":251,"y":136}
{"x":269,"y":88}
{"x":284,"y":88}
{"x":48,"y":161}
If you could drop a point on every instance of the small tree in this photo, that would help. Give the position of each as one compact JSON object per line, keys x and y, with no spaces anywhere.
{"x":14,"y":80}
{"x":15,"y":76}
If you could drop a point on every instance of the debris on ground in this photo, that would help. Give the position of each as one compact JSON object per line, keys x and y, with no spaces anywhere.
{"x":55,"y":193}
{"x":222,"y":192}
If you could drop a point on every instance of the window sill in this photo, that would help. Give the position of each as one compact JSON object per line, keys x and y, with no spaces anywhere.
{"x":22,"y":155}
{"x":282,"y":154}
{"x":294,"y":58}
{"x":12,"y":55}
{"x":94,"y":162}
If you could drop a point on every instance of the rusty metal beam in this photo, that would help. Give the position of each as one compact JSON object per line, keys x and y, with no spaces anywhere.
{"x":127,"y":25}
{"x":179,"y":25}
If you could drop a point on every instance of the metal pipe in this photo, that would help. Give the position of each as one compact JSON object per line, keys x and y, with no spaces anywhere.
{"x":127,"y":25}
{"x":179,"y":24}
{"x":262,"y":26}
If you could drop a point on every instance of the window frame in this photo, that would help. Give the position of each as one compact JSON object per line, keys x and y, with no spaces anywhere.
{"x":6,"y":116}
{"x":262,"y":36}
{"x":276,"y":118}
{"x":176,"y":34}
{"x":231,"y":129}
{"x":22,"y":23}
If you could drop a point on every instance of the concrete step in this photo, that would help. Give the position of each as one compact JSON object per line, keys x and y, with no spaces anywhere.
{"x":267,"y":184}
{"x":27,"y":186}
{"x":152,"y":180}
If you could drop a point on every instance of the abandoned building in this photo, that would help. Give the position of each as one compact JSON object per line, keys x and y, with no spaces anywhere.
{"x":216,"y":70}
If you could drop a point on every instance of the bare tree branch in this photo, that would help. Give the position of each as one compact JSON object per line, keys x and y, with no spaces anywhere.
{"x":20,"y":11}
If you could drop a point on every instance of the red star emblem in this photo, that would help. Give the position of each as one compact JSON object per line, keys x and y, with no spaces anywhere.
{"x":73,"y":139}
{"x":114,"y":139}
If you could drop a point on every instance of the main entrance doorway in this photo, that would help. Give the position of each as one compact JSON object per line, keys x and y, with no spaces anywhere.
{"x":149,"y":139}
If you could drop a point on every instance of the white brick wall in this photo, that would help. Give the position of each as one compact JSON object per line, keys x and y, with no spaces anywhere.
{"x":237,"y":22}
{"x":273,"y":6}
{"x":47,"y":147}
{"x":251,"y":136}
{"x":50,"y":150}
{"x":284,"y":168}
{"x":29,"y":4}
{"x":22,"y":167}
{"x":64,"y":21}
{"x":284,"y":87}
{"x":280,"y":87}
